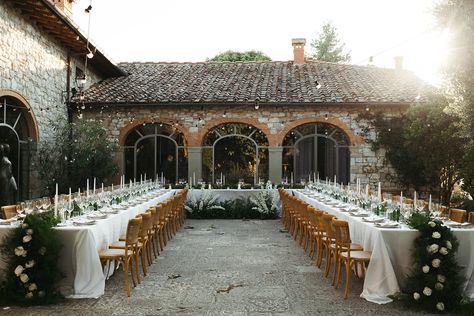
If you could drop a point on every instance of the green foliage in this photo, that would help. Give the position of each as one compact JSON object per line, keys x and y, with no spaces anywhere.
{"x":327,"y":46}
{"x":32,"y":270}
{"x":230,"y":55}
{"x":266,"y":203}
{"x":424,"y":145}
{"x":79,"y":151}
{"x":435,"y":283}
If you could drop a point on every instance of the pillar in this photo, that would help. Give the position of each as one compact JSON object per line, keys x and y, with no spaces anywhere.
{"x":275,"y":164}
{"x":195,"y":162}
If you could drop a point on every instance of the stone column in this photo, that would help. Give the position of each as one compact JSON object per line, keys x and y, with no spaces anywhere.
{"x":195,"y":162}
{"x":274,"y":164}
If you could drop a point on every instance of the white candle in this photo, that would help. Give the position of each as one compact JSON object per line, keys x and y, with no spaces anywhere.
{"x":221,"y":179}
{"x":367,"y":189}
{"x":286,"y":180}
{"x":162,"y":178}
{"x":112,"y":187}
{"x":335,"y":180}
{"x":131,"y":182}
{"x":70,"y":196}
{"x":414,"y":199}
{"x":291,"y":178}
{"x":87,"y":188}
{"x":194,"y":178}
{"x":429,"y":203}
{"x":379,"y":193}
{"x":94,"y":186}
{"x":401,"y":197}
{"x":102,"y":187}
{"x":141,"y":179}
{"x":190,"y":181}
{"x":314,"y":176}
{"x":145,"y":177}
{"x":56,"y":201}
{"x":79,"y":193}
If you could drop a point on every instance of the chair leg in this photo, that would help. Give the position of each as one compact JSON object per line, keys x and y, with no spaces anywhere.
{"x":125,"y":276}
{"x":335,"y":252}
{"x":327,"y":264}
{"x":136,"y":266}
{"x":338,"y":276}
{"x":143,"y":254}
{"x":348,"y":275}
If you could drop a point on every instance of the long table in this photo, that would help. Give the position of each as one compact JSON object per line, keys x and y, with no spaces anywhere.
{"x":79,"y":259}
{"x":391,"y":259}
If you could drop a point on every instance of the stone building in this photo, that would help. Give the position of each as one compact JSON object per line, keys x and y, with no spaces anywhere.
{"x":298,"y":117}
{"x":42,"y":64}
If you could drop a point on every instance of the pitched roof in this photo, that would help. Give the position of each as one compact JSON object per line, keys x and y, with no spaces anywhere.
{"x":244,"y":82}
{"x":52,"y":21}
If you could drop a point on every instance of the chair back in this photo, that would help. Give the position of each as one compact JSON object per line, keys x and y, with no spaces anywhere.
{"x":471,"y":217}
{"x":133,"y":230}
{"x":8,"y":211}
{"x":154,"y":216}
{"x":326,"y":220}
{"x":147,"y":224}
{"x":341,"y":232}
{"x":457,"y":215}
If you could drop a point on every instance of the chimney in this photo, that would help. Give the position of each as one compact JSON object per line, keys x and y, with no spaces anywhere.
{"x":298,"y":50}
{"x":398,"y":62}
{"x":65,"y":6}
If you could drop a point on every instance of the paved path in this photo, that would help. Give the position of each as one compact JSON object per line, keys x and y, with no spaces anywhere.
{"x":226,"y":267}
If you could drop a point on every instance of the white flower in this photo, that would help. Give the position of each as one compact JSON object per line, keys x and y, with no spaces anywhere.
{"x":27,"y":238}
{"x":30,"y":264}
{"x":24,"y":278}
{"x":32,"y":287}
{"x":435,"y":263}
{"x":443,"y":251}
{"x":440,"y":306}
{"x":425,"y":269}
{"x":19,"y":270}
{"x":29,"y":231}
{"x":432,"y":224}
{"x":20,"y":251}
{"x":41,"y":293}
{"x":29,"y":295}
{"x":427,"y":291}
{"x":439,"y":286}
{"x":441,"y":278}
{"x":24,"y":226}
{"x":42,"y":251}
{"x":448,"y":244}
{"x":416,"y":296}
{"x":436,"y":235}
{"x":433,"y":248}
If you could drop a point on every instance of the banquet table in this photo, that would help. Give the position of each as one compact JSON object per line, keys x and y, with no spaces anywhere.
{"x":391,"y":259}
{"x":79,"y":259}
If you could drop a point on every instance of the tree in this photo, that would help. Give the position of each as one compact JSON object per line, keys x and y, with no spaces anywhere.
{"x":69,"y":162}
{"x":425,"y":145}
{"x":251,"y":55}
{"x":327,"y":46}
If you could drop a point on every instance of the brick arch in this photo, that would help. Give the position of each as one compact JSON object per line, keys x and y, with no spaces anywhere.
{"x":124,"y":131}
{"x":221,"y":120}
{"x":32,"y":123}
{"x":353,"y":138}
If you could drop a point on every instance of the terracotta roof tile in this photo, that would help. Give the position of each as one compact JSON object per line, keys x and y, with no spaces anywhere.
{"x":243,"y":82}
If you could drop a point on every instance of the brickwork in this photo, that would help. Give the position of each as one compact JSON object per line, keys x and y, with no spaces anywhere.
{"x":274,"y":121}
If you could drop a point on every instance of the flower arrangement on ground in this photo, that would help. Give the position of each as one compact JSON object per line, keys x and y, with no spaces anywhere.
{"x":266,"y":203}
{"x":201,"y":203}
{"x":32,"y":253}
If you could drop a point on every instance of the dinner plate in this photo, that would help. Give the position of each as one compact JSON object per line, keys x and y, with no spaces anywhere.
{"x":373,"y":220}
{"x":84,"y":222}
{"x":357,"y":214}
{"x":387,"y":225}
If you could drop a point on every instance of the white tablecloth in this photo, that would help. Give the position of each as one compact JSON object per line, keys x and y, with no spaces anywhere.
{"x":79,"y":258}
{"x":391,"y":259}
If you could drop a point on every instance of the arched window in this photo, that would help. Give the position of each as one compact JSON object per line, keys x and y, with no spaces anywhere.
{"x":156,"y":150}
{"x":17,"y":130}
{"x":316,"y":149}
{"x":236,"y":151}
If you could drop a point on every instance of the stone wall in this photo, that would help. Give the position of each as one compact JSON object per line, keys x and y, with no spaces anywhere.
{"x":275,"y":121}
{"x":34,"y":65}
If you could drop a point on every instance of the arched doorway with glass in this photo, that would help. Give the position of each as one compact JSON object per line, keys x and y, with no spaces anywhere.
{"x":316,"y":149}
{"x":235,"y":152}
{"x":18,"y":131}
{"x":156,"y":150}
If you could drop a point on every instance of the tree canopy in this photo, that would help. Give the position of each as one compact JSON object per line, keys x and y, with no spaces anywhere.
{"x":327,"y":46}
{"x":230,"y":55}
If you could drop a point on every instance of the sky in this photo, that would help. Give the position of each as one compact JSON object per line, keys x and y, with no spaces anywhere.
{"x":193,"y":30}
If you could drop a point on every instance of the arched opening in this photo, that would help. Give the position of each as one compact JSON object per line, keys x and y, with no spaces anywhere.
{"x":316,"y":149}
{"x":156,"y":150}
{"x":236,"y":152}
{"x":17,"y":130}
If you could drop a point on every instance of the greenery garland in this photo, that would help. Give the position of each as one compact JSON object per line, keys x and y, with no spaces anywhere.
{"x":31,"y":252}
{"x":435,"y":283}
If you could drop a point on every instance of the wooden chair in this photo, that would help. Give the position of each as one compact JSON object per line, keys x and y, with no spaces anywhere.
{"x":471,"y":217}
{"x":350,"y":259}
{"x":142,"y":250}
{"x":457,"y":215}
{"x":126,"y":255}
{"x":8,"y":211}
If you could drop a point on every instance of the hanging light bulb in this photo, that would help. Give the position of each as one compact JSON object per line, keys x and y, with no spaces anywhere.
{"x":90,"y":54}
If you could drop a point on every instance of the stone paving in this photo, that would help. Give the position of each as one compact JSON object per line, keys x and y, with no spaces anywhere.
{"x":226,"y":267}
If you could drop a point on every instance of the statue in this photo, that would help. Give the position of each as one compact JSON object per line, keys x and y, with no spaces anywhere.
{"x":8,"y":187}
